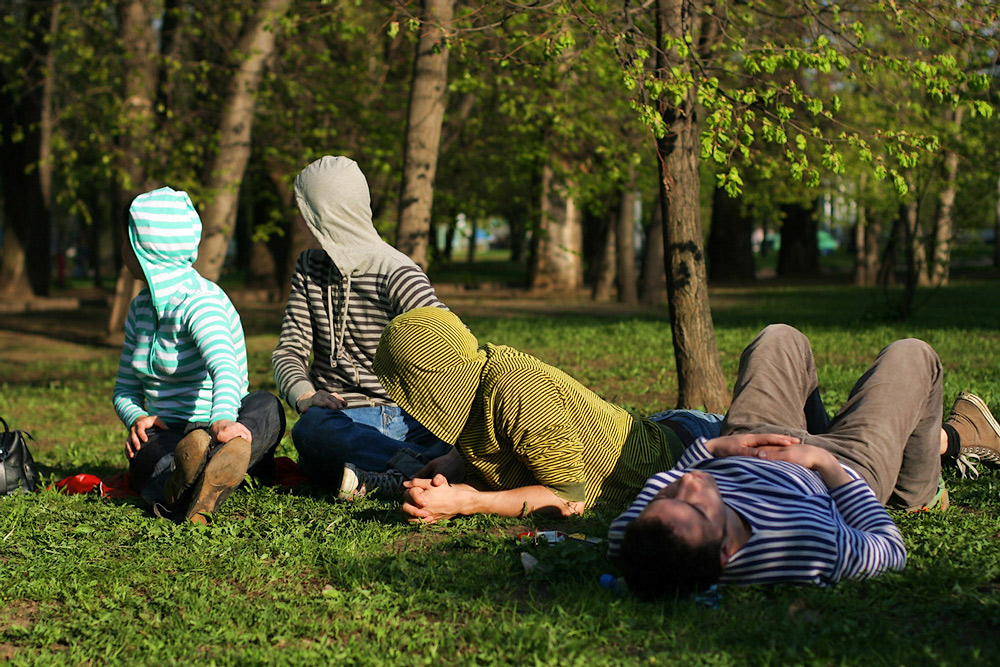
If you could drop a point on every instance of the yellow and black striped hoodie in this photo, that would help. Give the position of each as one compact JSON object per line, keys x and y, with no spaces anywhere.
{"x":516,"y":420}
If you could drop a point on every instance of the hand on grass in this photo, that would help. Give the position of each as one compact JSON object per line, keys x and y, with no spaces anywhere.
{"x":320,"y":399}
{"x":431,"y":500}
{"x":225,"y":430}
{"x":746,"y":444}
{"x":137,"y":433}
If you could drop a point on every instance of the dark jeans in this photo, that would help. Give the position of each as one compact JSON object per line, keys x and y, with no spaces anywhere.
{"x":260,"y":412}
{"x":372,"y":438}
{"x":888,"y":431}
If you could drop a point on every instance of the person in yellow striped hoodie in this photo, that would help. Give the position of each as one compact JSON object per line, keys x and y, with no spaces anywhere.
{"x":527,"y":437}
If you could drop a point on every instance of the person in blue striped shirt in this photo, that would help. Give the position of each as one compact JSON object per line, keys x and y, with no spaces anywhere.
{"x":181,"y":389}
{"x":786,"y":494}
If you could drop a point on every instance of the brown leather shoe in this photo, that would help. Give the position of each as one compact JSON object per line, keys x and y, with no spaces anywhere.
{"x":190,"y":457}
{"x":224,"y":472}
{"x":976,"y":427}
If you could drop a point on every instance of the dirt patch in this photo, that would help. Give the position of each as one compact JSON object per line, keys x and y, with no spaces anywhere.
{"x":19,"y":613}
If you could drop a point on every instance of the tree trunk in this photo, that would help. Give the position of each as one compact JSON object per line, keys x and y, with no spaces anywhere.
{"x":24,"y":169}
{"x":136,"y":24}
{"x":654,"y":276}
{"x":699,"y":374}
{"x":428,"y":92}
{"x":558,"y":257}
{"x":996,"y":223}
{"x":910,"y":215}
{"x":799,"y":252}
{"x":730,"y":251}
{"x":625,"y":250}
{"x":604,"y":277}
{"x":887,"y":270}
{"x":940,"y":269}
{"x":225,"y":174}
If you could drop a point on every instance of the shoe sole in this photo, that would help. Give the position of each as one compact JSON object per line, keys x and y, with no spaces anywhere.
{"x":225,"y":471}
{"x":190,"y":458}
{"x":980,"y":405}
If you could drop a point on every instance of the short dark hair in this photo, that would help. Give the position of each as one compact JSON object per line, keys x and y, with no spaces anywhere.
{"x":656,"y":563}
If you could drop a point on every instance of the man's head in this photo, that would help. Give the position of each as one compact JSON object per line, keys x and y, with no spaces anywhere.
{"x":676,"y":545}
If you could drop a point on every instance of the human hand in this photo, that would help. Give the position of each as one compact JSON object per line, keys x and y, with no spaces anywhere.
{"x":747,"y":444}
{"x":431,"y":500}
{"x":225,"y":430}
{"x":137,"y":433}
{"x":451,"y":465}
{"x":320,"y":399}
{"x":811,"y":457}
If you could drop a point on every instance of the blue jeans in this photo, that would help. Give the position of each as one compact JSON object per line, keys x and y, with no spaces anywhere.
{"x":370,"y":438}
{"x":689,"y":425}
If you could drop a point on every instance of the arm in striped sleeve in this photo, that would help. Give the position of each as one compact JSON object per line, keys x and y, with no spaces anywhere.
{"x":874,"y":541}
{"x":408,"y":288}
{"x":290,"y":358}
{"x":208,"y":324}
{"x":530,"y":411}
{"x":128,"y":396}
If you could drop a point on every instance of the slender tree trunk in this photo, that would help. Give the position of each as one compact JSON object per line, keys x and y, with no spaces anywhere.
{"x":625,"y":251}
{"x":558,"y":257}
{"x":428,"y":94}
{"x":654,"y":277}
{"x":136,"y":25}
{"x":225,"y":175}
{"x":604,"y":278}
{"x":887,"y":270}
{"x":940,"y":269}
{"x":699,"y":374}
{"x":730,"y":252}
{"x":914,"y":257}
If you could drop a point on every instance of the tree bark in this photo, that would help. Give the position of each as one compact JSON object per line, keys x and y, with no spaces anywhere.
{"x":136,"y":25}
{"x":604,"y":278}
{"x":25,"y":264}
{"x":799,"y":253}
{"x":944,"y":227}
{"x":625,"y":250}
{"x":558,"y":256}
{"x":654,"y":276}
{"x":996,"y":223}
{"x":225,"y":175}
{"x":428,"y":92}
{"x":700,"y":382}
{"x":730,"y":252}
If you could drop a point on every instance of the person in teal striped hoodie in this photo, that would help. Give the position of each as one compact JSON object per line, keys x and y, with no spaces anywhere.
{"x":194,"y":429}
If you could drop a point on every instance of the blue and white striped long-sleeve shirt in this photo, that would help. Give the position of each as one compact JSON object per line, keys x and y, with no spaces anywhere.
{"x":184,"y":357}
{"x":800,"y":531}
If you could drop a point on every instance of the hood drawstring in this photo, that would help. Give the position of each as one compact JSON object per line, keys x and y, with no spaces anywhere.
{"x":339,"y":328}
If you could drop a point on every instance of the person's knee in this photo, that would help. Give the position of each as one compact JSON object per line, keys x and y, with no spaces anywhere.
{"x":911,"y":351}
{"x":782,"y":332}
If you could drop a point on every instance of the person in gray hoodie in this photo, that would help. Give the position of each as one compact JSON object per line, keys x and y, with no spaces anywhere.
{"x":350,"y":435}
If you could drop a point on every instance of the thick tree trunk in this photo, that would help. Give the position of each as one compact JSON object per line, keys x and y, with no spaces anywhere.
{"x":799,"y":253}
{"x":225,"y":173}
{"x":654,"y":277}
{"x":558,"y":256}
{"x":700,"y":382}
{"x":730,"y":252}
{"x":428,"y":92}
{"x":940,"y":269}
{"x":136,"y":25}
{"x":625,"y":247}
{"x":25,"y":170}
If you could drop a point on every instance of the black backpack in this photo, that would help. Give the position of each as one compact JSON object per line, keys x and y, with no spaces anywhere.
{"x":17,"y":468}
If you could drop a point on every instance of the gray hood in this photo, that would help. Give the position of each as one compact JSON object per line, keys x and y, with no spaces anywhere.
{"x":333,"y":198}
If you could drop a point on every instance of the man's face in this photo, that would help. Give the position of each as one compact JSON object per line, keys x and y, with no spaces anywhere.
{"x":693,"y":507}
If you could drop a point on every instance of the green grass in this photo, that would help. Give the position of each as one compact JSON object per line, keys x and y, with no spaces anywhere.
{"x":284,"y":578}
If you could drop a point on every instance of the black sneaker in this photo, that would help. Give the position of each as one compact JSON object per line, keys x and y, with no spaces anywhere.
{"x":356,"y":482}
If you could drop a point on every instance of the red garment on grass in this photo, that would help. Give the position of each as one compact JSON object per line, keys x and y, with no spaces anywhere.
{"x":286,"y":475}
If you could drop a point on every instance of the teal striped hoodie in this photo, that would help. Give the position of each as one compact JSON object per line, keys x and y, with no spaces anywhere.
{"x":184,"y":357}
